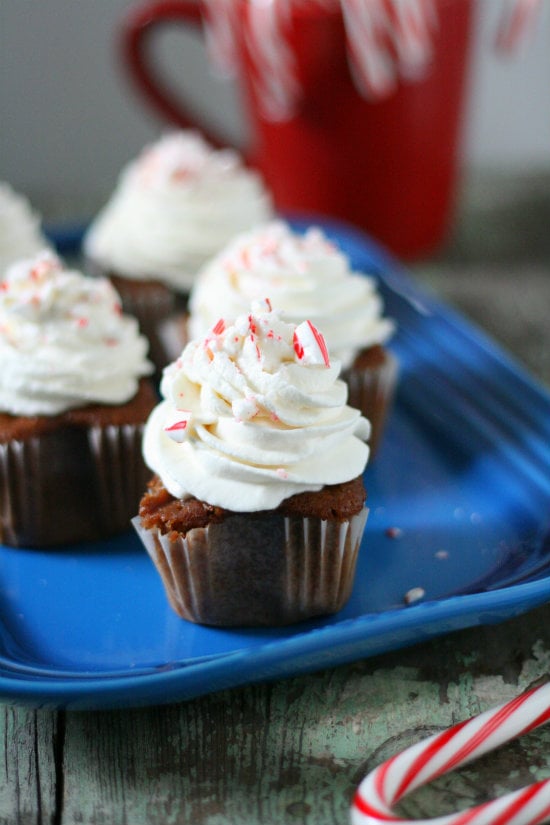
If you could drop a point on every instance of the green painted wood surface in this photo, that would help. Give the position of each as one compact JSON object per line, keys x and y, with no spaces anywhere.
{"x":31,"y":754}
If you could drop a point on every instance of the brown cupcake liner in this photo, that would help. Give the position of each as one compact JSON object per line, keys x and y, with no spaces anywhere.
{"x":70,"y":485}
{"x":371,"y":389}
{"x":119,"y":472}
{"x":149,"y":302}
{"x":152,"y":304}
{"x":172,"y":334}
{"x":257,"y":569}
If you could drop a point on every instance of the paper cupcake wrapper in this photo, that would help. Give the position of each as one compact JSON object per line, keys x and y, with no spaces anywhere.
{"x":149,"y":305}
{"x":152,"y":305}
{"x":172,"y":334}
{"x":120,"y":472}
{"x":257,"y":569}
{"x":371,"y":390}
{"x":70,"y":485}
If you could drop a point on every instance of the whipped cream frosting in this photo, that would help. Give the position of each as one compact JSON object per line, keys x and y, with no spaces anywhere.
{"x":20,"y":232}
{"x":175,"y":207}
{"x":306,"y":276}
{"x":253,"y":413}
{"x":64,"y":342}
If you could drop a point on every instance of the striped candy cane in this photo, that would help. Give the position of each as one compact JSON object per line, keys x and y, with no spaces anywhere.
{"x":457,"y":746}
{"x":517,"y":21}
{"x":388,"y":41}
{"x":221,"y":18}
{"x":274,"y":64}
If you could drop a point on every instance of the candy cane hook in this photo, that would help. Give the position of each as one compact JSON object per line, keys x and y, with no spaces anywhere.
{"x":388,"y":783}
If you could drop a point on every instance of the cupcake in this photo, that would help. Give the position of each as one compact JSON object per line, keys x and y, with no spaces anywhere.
{"x":307,"y":276}
{"x":256,"y":508}
{"x":20,"y":232}
{"x":175,"y":207}
{"x":73,"y":402}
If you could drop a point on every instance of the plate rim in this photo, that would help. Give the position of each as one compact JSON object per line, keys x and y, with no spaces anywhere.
{"x":523,"y":596}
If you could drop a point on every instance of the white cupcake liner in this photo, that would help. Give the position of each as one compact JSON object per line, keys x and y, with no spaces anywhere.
{"x":371,"y":390}
{"x":70,"y":485}
{"x":257,"y":569}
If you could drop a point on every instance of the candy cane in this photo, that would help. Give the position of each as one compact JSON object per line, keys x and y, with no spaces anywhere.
{"x":275,"y":79}
{"x":221,"y":20}
{"x":414,"y":25}
{"x":387,"y":40}
{"x":457,"y":746}
{"x":517,"y":21}
{"x":371,"y":63}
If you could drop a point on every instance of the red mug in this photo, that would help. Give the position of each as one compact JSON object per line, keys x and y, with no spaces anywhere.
{"x":336,"y":129}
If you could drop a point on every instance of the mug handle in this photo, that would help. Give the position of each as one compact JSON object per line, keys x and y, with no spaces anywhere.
{"x":137,"y":29}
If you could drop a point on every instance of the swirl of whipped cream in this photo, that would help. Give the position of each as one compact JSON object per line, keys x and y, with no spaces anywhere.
{"x":253,"y":413}
{"x":63,"y":340}
{"x":20,"y":232}
{"x":305,"y":276}
{"x":175,"y":207}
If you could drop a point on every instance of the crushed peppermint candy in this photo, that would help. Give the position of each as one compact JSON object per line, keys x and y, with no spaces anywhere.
{"x":219,"y":327}
{"x":177,"y":425}
{"x":309,"y":345}
{"x":414,"y":595}
{"x":260,"y":306}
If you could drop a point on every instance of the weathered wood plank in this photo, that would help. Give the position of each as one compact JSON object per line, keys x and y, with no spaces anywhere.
{"x":294,"y":751}
{"x":28,"y":774}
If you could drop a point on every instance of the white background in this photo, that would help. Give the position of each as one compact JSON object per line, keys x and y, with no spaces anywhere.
{"x":70,"y":118}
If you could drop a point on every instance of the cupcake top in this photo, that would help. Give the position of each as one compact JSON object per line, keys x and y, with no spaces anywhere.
{"x":20,"y":232}
{"x":253,"y":413}
{"x":306,"y":276}
{"x":175,"y":206}
{"x":64,"y":342}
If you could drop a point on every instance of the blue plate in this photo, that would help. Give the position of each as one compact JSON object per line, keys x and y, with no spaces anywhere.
{"x":459,"y":506}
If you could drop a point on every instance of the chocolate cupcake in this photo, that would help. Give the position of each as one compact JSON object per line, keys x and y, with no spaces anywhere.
{"x":73,"y":402}
{"x":175,"y":207}
{"x":256,"y":509}
{"x":306,"y":276}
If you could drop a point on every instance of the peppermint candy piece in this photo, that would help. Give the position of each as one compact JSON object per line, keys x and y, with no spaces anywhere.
{"x":177,"y":425}
{"x":219,"y":327}
{"x":310,"y":346}
{"x":261,"y":305}
{"x":244,"y":408}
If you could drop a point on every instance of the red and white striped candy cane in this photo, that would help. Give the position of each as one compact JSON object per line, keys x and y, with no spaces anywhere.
{"x":221,"y":18}
{"x":439,"y":754}
{"x":388,"y":39}
{"x":517,"y":21}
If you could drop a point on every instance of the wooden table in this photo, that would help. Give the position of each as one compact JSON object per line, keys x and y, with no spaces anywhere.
{"x":292,"y":752}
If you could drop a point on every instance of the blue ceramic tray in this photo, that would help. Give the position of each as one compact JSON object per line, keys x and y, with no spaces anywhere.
{"x":463,"y":473}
